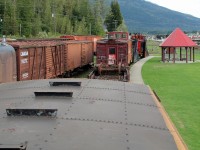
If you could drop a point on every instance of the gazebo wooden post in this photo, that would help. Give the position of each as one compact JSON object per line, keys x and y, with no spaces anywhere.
{"x":169,"y":53}
{"x":174,"y":54}
{"x":190,"y":54}
{"x":162,"y":53}
{"x":193,"y":55}
{"x":180,"y":54}
{"x":186,"y":48}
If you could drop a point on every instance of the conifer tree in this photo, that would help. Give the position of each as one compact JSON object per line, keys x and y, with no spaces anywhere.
{"x":9,"y":20}
{"x":30,"y":17}
{"x":1,"y":16}
{"x":47,"y":19}
{"x":98,"y":18}
{"x":26,"y":15}
{"x":114,"y":17}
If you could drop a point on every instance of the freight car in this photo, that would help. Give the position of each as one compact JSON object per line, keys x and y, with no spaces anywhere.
{"x":45,"y":59}
{"x":77,"y":55}
{"x":93,"y":38}
{"x":39,"y":59}
{"x":115,"y":54}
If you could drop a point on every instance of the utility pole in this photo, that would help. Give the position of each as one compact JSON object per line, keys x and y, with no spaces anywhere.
{"x":54,"y":22}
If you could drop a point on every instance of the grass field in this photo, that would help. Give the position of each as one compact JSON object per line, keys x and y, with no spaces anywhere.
{"x":178,"y":86}
{"x":153,"y":47}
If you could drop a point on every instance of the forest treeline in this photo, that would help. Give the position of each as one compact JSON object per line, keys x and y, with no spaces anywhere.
{"x":32,"y":18}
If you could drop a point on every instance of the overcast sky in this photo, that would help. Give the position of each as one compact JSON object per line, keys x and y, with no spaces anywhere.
{"x":191,"y":7}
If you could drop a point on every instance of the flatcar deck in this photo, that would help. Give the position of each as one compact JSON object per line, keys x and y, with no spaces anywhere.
{"x":81,"y":115}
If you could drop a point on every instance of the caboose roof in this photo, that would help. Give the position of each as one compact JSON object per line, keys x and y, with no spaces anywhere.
{"x":112,"y":41}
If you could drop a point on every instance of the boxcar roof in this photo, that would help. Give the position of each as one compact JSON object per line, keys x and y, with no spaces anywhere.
{"x":114,"y":41}
{"x":29,"y":44}
{"x":45,"y":42}
{"x":108,"y":115}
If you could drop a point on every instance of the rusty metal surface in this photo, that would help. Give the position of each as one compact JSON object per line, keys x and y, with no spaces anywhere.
{"x":108,"y":115}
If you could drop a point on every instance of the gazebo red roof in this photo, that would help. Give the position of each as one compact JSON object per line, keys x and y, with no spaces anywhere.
{"x":178,"y":39}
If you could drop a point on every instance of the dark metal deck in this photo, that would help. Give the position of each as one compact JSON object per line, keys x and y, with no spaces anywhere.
{"x":101,"y":115}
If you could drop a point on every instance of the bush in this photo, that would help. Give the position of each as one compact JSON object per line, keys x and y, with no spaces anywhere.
{"x":42,"y":35}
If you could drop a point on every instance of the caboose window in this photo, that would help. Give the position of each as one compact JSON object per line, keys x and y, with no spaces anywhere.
{"x":111,"y":50}
{"x":124,"y":36}
{"x":118,"y":36}
{"x":110,"y":36}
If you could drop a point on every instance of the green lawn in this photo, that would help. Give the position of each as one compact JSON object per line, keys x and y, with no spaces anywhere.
{"x":178,"y":86}
{"x":153,"y":47}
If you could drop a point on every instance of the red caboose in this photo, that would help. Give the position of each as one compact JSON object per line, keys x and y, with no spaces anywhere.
{"x":114,"y":55}
{"x":139,"y":46}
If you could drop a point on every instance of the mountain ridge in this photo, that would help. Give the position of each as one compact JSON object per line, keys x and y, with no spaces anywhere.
{"x":144,"y":16}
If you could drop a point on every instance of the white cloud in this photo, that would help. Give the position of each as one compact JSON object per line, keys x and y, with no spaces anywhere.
{"x":191,"y":7}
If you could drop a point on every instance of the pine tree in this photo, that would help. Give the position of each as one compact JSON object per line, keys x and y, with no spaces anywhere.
{"x":69,"y":28}
{"x":63,"y":26}
{"x":9,"y":20}
{"x":98,"y":18}
{"x":1,"y":16}
{"x":46,"y":16}
{"x":114,"y":17}
{"x":36,"y":26}
{"x":30,"y":17}
{"x":26,"y":15}
{"x":37,"y":23}
{"x":122,"y":27}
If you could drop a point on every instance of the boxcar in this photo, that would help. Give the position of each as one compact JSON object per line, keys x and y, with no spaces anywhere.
{"x":50,"y":58}
{"x":93,"y":38}
{"x":39,"y":59}
{"x":77,"y":55}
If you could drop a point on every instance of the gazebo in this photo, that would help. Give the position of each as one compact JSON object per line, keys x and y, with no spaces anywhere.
{"x":178,"y":39}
